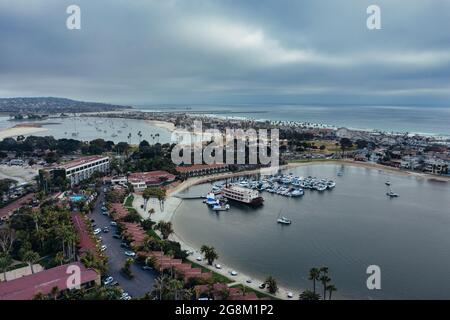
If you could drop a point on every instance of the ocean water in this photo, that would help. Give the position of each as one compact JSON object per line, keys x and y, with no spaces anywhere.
{"x":347,"y":229}
{"x":108,"y":129}
{"x":413,"y":119}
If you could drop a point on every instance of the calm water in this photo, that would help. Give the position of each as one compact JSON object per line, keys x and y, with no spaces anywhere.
{"x":347,"y":229}
{"x":63,"y":128}
{"x":416,"y":119}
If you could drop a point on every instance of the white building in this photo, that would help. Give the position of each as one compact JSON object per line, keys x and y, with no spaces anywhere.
{"x":83,"y":168}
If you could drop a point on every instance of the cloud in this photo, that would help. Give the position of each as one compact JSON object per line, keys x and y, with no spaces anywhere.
{"x":226,"y":51}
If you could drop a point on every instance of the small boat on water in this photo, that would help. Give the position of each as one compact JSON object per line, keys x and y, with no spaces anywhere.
{"x":388,"y":183}
{"x":392,"y":194}
{"x":284,"y":220}
{"x":220,"y":207}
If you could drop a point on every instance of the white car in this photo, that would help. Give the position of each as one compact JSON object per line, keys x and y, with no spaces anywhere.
{"x":233,"y":273}
{"x":108,"y":281}
{"x":199,"y":258}
{"x":130,"y":253}
{"x":290,"y":295}
{"x":113,"y":223}
{"x":97,"y":231}
{"x":218,"y":266}
{"x":103,"y":248}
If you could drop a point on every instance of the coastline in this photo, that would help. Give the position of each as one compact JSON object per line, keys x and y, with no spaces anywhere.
{"x":169,"y":126}
{"x":19,"y":130}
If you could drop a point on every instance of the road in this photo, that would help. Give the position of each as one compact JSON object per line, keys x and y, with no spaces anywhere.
{"x":143,"y":280}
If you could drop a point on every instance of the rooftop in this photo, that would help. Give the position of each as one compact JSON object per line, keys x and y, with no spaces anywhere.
{"x":80,"y":161}
{"x":27,"y":287}
{"x":6,"y":211}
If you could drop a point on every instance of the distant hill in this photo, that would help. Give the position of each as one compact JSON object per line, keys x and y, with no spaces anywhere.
{"x":47,"y":105}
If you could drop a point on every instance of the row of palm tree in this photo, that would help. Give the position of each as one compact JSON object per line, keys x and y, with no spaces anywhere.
{"x":319,"y":275}
{"x":209,"y":253}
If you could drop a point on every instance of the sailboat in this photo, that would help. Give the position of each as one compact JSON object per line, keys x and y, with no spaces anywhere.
{"x":391,"y":194}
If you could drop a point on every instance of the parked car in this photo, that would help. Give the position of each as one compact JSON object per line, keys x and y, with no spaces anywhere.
{"x":124,"y":245}
{"x":105,"y":229}
{"x":116,"y":236}
{"x":129,"y":253}
{"x":103,"y":248}
{"x":147,"y":268}
{"x":218,"y":266}
{"x":199,"y":258}
{"x":262,"y":286}
{"x":105,"y":213}
{"x":97,"y":231}
{"x":108,"y":281}
{"x":113,"y":223}
{"x":104,"y":208}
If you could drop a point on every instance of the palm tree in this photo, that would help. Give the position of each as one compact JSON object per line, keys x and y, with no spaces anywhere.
{"x":331,"y":288}
{"x":209,"y":253}
{"x":271,"y":284}
{"x":309,"y":295}
{"x":314,"y":275}
{"x":31,"y":257}
{"x":5,"y":262}
{"x":59,"y":258}
{"x":140,"y":136}
{"x":165,"y":228}
{"x":55,"y":292}
{"x":160,"y":286}
{"x":129,"y":137}
{"x":325,"y":280}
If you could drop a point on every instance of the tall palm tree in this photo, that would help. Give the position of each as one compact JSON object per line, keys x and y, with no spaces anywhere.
{"x":160,"y":285}
{"x":314,"y":275}
{"x":140,"y":136}
{"x":325,"y":280}
{"x":331,"y":288}
{"x":31,"y":257}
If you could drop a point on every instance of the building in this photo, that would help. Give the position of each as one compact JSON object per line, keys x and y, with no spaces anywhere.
{"x":142,"y":180}
{"x":27,"y":287}
{"x":81,"y":168}
{"x":435,"y":166}
{"x":201,"y":169}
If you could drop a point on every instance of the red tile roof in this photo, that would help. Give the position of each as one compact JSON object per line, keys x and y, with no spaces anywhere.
{"x":85,"y":242}
{"x":10,"y":208}
{"x":80,"y":161}
{"x":152,"y":177}
{"x":27,"y":287}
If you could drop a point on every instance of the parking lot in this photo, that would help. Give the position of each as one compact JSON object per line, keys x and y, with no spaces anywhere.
{"x":143,"y":280}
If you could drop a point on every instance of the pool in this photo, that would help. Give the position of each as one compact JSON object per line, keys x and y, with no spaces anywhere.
{"x":76,"y":198}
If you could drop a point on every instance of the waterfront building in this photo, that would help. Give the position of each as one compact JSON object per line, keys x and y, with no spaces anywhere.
{"x":435,"y":166}
{"x":243,"y":195}
{"x":201,"y":169}
{"x":142,"y":180}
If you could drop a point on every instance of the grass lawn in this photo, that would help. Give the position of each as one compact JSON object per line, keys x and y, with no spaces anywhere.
{"x":258,"y":293}
{"x":216,"y":276}
{"x":129,"y":201}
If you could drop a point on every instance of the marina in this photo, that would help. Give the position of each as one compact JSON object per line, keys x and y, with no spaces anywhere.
{"x":339,"y":228}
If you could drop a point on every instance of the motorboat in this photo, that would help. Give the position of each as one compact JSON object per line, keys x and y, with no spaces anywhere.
{"x":283,"y":220}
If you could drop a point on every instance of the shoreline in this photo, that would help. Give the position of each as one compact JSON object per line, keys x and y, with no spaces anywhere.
{"x":20,"y":130}
{"x":169,"y":126}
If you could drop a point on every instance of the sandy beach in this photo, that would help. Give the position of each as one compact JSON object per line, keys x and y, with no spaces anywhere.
{"x":169,"y":126}
{"x":20,"y":130}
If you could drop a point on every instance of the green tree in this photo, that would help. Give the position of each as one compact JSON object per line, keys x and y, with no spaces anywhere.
{"x":309,"y":295}
{"x":314,"y":275}
{"x":5,"y":262}
{"x":209,"y":253}
{"x":31,"y":257}
{"x":271,"y":285}
{"x":331,"y":288}
{"x":165,"y":228}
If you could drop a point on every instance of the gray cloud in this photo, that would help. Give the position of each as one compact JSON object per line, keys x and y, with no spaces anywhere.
{"x":228,"y":51}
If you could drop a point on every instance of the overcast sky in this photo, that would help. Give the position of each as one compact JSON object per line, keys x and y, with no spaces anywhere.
{"x":227,"y":51}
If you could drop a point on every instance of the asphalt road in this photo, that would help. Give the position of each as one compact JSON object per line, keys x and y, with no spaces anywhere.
{"x":143,"y":280}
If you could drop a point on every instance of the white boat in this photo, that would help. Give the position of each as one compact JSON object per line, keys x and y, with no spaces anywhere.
{"x":219,"y":207}
{"x":388,"y":183}
{"x":331,"y":184}
{"x":297,"y":193}
{"x":283,"y":220}
{"x":392,"y":194}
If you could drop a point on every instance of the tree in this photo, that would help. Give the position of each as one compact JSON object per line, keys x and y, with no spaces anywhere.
{"x":126,"y":269}
{"x":331,"y":288}
{"x":5,"y":262}
{"x":345,"y":144}
{"x":271,"y":284}
{"x":309,"y":295}
{"x":7,"y":237}
{"x":325,"y":280}
{"x":314,"y":275}
{"x":209,"y":253}
{"x":165,"y":228}
{"x":31,"y":257}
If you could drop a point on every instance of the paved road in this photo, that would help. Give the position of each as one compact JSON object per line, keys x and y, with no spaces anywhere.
{"x":143,"y":279}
